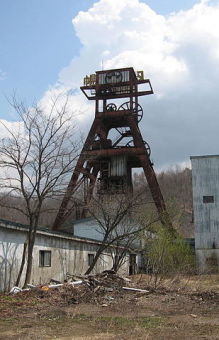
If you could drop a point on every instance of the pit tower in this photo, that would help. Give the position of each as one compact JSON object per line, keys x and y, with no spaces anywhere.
{"x":114,"y":145}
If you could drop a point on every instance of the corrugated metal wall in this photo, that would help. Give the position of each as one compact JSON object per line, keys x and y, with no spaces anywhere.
{"x":205,"y":182}
{"x":118,"y":166}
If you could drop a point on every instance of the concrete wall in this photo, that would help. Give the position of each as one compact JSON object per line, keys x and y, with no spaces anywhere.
{"x":89,"y":228}
{"x":205,"y":182}
{"x":68,"y":255}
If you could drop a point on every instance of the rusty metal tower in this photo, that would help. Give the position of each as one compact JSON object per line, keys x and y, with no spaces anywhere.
{"x":105,"y":161}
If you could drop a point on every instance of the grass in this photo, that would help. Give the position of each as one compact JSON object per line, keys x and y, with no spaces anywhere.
{"x":164,"y":314}
{"x":120,"y":322}
{"x":15,"y":300}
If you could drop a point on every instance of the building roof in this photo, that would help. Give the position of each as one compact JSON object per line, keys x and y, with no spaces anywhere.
{"x":83,"y":220}
{"x":204,"y":156}
{"x":51,"y":233}
{"x":47,"y":232}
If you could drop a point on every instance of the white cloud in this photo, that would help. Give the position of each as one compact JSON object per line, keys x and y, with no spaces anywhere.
{"x":6,"y":126}
{"x":179,"y":53}
{"x":131,"y":34}
{"x":77,"y":106}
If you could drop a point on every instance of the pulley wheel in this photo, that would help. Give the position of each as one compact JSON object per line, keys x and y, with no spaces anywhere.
{"x":137,"y":110}
{"x":147,"y":147}
{"x":111,"y":107}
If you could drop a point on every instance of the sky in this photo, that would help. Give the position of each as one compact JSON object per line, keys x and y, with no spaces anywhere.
{"x":48,"y":46}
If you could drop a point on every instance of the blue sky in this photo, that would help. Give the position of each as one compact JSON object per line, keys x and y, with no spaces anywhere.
{"x":37,"y":40}
{"x":48,"y":46}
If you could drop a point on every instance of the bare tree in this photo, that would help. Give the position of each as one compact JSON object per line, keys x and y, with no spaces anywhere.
{"x":123,"y":246}
{"x":119,"y":221}
{"x":35,"y":161}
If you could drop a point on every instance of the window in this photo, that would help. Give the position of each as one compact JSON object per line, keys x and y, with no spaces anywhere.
{"x":132,"y":264}
{"x":45,"y":258}
{"x":208,"y":199}
{"x":90,"y":259}
{"x":132,"y":259}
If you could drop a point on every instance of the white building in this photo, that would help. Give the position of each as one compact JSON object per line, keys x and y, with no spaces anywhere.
{"x":55,"y":254}
{"x":205,"y":184}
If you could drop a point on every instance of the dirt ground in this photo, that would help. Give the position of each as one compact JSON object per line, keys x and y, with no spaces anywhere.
{"x":183,"y":308}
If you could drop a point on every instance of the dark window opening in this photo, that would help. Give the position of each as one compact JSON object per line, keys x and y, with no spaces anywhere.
{"x":208,"y":199}
{"x":45,"y":258}
{"x":90,"y":259}
{"x":132,"y":264}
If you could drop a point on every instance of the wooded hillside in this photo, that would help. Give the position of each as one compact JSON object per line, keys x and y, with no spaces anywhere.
{"x":176,"y":187}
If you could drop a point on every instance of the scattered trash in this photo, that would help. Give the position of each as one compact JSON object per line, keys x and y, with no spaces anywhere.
{"x":105,"y":288}
{"x":136,"y":290}
{"x":15,"y":290}
{"x":74,"y":283}
{"x":108,"y":289}
{"x":31,"y":286}
{"x":110,"y":298}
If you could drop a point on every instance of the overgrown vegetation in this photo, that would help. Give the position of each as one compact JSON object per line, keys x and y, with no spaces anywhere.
{"x":166,"y":257}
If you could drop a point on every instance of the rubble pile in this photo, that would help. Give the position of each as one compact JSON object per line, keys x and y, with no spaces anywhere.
{"x":104,"y":288}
